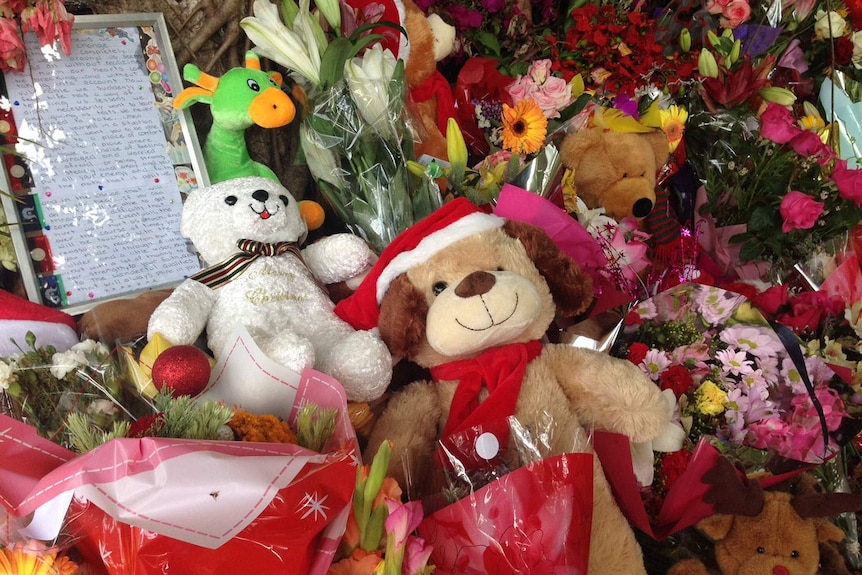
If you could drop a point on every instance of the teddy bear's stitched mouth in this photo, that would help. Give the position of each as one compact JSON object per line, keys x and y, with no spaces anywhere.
{"x":494,"y":323}
{"x":265,"y":214}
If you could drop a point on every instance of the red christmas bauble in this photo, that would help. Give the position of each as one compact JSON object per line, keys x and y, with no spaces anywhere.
{"x":185,"y":369}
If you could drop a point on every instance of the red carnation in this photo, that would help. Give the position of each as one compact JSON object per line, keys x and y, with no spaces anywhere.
{"x":677,"y":379}
{"x":672,"y":466}
{"x":637,"y":352}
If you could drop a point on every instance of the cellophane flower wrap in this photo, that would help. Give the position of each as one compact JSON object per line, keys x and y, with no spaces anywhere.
{"x":42,"y":386}
{"x":151,"y":505}
{"x":520,"y":510}
{"x":354,"y":141}
{"x":735,"y":385}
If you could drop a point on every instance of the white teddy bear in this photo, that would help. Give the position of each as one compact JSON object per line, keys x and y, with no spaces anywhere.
{"x":247,"y":229}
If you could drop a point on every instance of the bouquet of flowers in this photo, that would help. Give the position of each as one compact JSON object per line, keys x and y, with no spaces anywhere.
{"x":43,"y":387}
{"x":734,"y":381}
{"x":47,"y":19}
{"x":355,"y":135}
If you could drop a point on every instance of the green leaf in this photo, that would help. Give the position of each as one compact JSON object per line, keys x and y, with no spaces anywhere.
{"x":489,"y":40}
{"x":332,"y":61}
{"x":750,"y":251}
{"x":762,"y":218}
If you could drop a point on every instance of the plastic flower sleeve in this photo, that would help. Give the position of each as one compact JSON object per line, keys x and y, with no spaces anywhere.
{"x":357,"y":144}
{"x":513,"y":510}
{"x":154,"y":505}
{"x":43,"y":387}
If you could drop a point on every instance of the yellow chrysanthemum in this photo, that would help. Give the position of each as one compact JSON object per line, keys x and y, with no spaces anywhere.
{"x":711,"y":399}
{"x":524,"y":127}
{"x":673,"y":125}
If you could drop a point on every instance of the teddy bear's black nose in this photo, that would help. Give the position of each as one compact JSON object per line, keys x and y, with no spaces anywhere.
{"x":477,"y":283}
{"x":260,"y":195}
{"x":642,"y":208}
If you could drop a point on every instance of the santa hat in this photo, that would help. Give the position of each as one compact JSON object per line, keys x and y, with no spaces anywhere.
{"x":19,"y":316}
{"x":454,"y":221}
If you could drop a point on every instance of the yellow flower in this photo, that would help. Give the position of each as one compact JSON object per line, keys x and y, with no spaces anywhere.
{"x":673,"y":125}
{"x":524,"y":127}
{"x":18,"y":560}
{"x":711,"y":399}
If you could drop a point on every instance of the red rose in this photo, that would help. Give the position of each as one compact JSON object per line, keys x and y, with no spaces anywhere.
{"x":677,"y":379}
{"x":843,"y":51}
{"x":637,"y":352}
{"x":772,"y":300}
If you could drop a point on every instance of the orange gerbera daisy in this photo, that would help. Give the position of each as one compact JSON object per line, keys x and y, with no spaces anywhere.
{"x":524,"y":127}
{"x":19,"y":560}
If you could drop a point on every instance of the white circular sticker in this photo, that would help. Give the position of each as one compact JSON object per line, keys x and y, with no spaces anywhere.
{"x":38,"y":254}
{"x":487,"y":446}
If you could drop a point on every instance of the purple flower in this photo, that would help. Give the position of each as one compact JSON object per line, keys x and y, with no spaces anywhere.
{"x":493,"y":6}
{"x":464,"y":17}
{"x":627,"y":106}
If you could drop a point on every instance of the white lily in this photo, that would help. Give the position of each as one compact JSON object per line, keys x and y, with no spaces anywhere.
{"x":320,"y":158}
{"x":331,"y":10}
{"x":669,"y":440}
{"x":368,"y":78}
{"x":295,"y":49}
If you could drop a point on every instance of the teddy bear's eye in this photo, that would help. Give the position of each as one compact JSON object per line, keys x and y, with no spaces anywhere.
{"x":625,"y":174}
{"x":284,"y":199}
{"x":230,"y":200}
{"x":253,"y":85}
{"x":500,"y":269}
{"x":643,"y":174}
{"x":439,"y":288}
{"x":794,"y":554}
{"x":761,"y":550}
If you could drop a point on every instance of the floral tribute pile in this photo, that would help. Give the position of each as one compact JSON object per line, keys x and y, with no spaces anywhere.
{"x":739,"y":295}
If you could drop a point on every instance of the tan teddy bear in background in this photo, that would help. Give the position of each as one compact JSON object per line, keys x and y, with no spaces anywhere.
{"x":615,"y":170}
{"x":469,"y":296}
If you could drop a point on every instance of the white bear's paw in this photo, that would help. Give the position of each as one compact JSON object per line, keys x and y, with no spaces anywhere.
{"x":361,"y":362}
{"x":289,"y":350}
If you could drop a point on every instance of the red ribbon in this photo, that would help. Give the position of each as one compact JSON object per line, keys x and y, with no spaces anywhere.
{"x":436,"y":85}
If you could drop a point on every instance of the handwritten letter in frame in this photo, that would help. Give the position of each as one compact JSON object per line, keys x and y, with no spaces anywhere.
{"x":101,"y":164}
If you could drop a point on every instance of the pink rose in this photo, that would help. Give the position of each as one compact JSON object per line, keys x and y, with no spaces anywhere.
{"x":735,"y":13}
{"x":553,"y":96}
{"x":800,"y":211}
{"x":809,"y":144}
{"x":848,"y":182}
{"x":540,"y":70}
{"x":12,"y":52}
{"x":777,"y":124}
{"x":50,"y":21}
{"x":716,"y":6}
{"x":521,"y":89}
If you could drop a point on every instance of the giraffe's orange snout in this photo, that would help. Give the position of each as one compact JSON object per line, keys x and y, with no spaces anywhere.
{"x":272,"y":109}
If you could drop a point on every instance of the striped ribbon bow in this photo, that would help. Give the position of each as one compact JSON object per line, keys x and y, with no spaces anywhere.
{"x":250,"y":250}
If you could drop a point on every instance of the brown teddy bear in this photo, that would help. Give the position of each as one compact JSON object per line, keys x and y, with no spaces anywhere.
{"x":772,"y":532}
{"x":429,"y":41}
{"x":615,"y":170}
{"x":469,"y":296}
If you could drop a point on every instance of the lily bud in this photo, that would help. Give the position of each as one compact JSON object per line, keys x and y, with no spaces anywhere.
{"x":734,"y":52}
{"x":781,"y":96}
{"x":713,"y":38}
{"x":685,"y":40}
{"x":706,"y":64}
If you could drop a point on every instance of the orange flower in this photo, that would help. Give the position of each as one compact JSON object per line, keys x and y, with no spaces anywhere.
{"x":20,"y":560}
{"x":524,"y":127}
{"x":360,"y":563}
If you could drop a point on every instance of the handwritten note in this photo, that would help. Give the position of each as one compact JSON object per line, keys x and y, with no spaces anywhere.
{"x":101,"y":164}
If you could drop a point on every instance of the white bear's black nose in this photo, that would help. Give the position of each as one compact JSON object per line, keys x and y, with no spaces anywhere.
{"x":477,"y":283}
{"x":642,"y":208}
{"x":260,"y":195}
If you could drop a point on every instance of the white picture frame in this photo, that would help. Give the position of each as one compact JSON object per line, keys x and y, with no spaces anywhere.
{"x":102,"y":162}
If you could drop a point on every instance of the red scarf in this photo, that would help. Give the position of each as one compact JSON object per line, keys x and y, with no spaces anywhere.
{"x":501,"y":371}
{"x":436,"y":85}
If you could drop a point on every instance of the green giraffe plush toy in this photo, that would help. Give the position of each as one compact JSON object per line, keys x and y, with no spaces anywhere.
{"x":239,"y":99}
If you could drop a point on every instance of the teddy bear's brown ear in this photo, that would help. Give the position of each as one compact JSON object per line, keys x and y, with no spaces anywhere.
{"x":574,"y":146}
{"x":658,"y":142}
{"x":402,"y":318}
{"x":571,"y":289}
